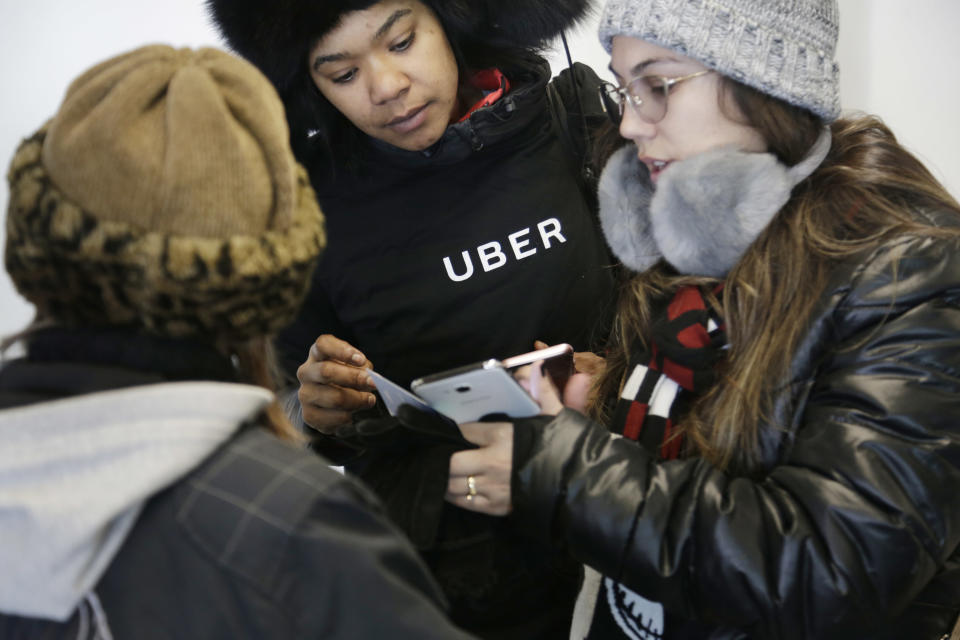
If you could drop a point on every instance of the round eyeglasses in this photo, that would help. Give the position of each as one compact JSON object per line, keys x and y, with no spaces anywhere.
{"x":646,"y":94}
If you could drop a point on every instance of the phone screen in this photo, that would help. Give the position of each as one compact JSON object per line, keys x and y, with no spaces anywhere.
{"x":557,"y":362}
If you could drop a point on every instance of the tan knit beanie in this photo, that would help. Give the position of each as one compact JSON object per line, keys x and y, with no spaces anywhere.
{"x":164,"y":194}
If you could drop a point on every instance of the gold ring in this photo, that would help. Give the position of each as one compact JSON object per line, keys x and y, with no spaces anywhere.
{"x":471,"y":487}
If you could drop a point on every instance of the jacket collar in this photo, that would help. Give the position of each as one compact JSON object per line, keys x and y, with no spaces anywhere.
{"x":485,"y":127}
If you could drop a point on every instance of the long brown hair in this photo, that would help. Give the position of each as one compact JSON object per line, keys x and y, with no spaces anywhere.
{"x":256,"y":364}
{"x":867,"y":190}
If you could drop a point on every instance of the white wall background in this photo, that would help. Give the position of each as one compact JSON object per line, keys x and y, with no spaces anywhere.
{"x":898,"y":59}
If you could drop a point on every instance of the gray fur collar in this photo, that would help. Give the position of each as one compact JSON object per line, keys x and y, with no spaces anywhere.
{"x":705,"y":211}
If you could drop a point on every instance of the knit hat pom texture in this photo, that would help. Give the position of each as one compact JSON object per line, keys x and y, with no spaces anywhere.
{"x":784,"y":48}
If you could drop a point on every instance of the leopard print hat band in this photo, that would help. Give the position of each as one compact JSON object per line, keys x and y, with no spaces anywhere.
{"x":164,"y":194}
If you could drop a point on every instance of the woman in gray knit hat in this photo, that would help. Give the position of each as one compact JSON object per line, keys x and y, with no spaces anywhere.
{"x":773,"y":449}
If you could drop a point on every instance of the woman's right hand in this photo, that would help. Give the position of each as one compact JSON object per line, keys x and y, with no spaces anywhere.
{"x":333,"y":383}
{"x":576,"y":393}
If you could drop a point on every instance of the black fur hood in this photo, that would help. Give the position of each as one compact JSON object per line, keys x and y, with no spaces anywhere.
{"x":276,"y":35}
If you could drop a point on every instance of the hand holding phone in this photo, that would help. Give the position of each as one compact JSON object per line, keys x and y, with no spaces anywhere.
{"x":557,"y":362}
{"x":478,"y":390}
{"x":544,"y":391}
{"x":572,"y":382}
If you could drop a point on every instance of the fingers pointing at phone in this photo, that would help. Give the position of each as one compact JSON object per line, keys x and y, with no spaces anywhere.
{"x":333,"y":383}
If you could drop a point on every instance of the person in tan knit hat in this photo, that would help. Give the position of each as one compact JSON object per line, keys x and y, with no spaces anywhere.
{"x":163,"y":230}
{"x":163,"y":195}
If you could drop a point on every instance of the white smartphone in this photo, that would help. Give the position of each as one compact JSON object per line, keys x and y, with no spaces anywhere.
{"x":469,"y":393}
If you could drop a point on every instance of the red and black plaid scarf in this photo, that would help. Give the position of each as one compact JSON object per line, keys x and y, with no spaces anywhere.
{"x":687,"y":343}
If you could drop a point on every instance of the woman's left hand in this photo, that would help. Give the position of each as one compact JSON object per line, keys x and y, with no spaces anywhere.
{"x":480,"y":478}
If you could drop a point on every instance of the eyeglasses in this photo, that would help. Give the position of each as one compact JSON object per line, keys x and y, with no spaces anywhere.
{"x":646,"y":94}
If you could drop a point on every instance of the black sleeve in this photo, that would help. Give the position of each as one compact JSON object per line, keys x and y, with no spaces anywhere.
{"x":578,"y":91}
{"x":853,"y":521}
{"x":358,"y":576}
{"x":585,"y":130}
{"x":579,"y":117}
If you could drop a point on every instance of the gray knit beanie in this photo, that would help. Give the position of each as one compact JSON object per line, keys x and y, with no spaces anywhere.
{"x":784,"y":48}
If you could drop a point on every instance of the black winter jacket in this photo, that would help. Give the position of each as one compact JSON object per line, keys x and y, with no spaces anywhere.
{"x":468,"y":251}
{"x":261,"y":540}
{"x":852,"y":528}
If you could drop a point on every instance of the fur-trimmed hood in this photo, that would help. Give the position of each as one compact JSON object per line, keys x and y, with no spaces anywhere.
{"x":276,"y":35}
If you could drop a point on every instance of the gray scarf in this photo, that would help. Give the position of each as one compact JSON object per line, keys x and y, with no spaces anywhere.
{"x":77,"y":471}
{"x":704,"y":212}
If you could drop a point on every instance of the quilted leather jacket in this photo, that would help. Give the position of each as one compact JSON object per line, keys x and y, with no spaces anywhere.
{"x":850,"y":530}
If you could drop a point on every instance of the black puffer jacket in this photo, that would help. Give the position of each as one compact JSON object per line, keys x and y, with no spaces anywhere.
{"x":851,"y":530}
{"x":499,"y":197}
